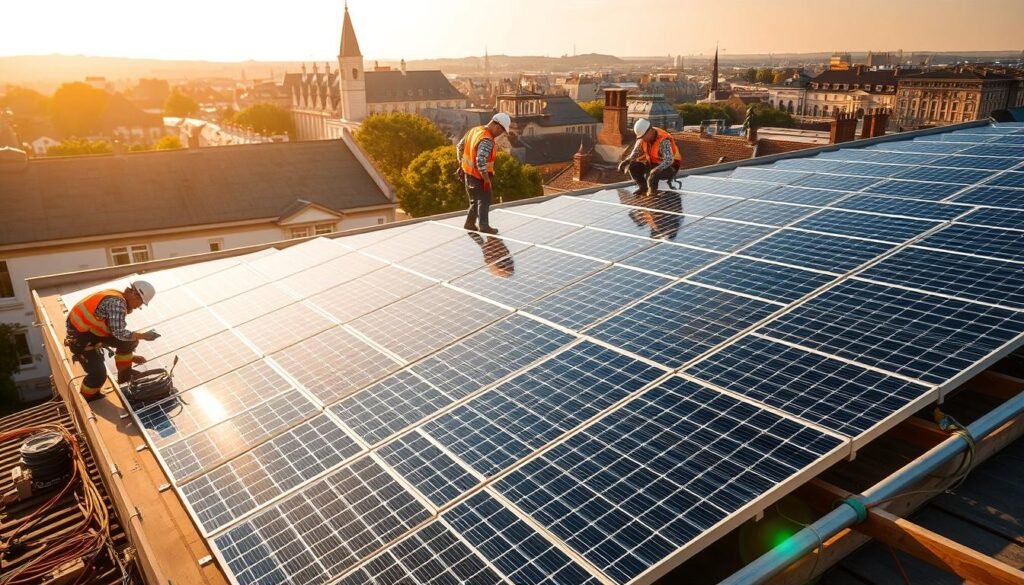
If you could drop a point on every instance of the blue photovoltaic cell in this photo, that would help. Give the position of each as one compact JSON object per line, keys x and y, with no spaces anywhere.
{"x":918,"y":145}
{"x":680,"y":323}
{"x":976,"y":279}
{"x":531,"y":275}
{"x":837,"y":182}
{"x":833,"y":253}
{"x":670,"y":259}
{"x":761,"y":279}
{"x":219,"y":443}
{"x":1002,"y":150}
{"x":909,"y":208}
{"x":602,"y":245}
{"x":595,"y":297}
{"x":864,"y":225}
{"x":501,"y":426}
{"x":433,"y":555}
{"x":646,"y":223}
{"x":723,"y":187}
{"x":699,"y":204}
{"x":1010,"y":179}
{"x":899,"y":158}
{"x":512,"y":545}
{"x":842,"y":397}
{"x":963,"y":176}
{"x":719,"y":235}
{"x":922,"y":336}
{"x":995,"y":196}
{"x":975,"y":162}
{"x":774,"y":214}
{"x":436,"y":475}
{"x":369,"y":293}
{"x":581,"y":211}
{"x":810,"y":164}
{"x":771,"y":175}
{"x":802,"y":195}
{"x":539,"y":231}
{"x":866,"y":169}
{"x":323,"y":529}
{"x":665,"y":201}
{"x":1004,"y":218}
{"x":432,"y":384}
{"x":979,"y":241}
{"x":850,"y":153}
{"x":915,"y":189}
{"x":462,"y":256}
{"x":269,"y":470}
{"x":650,"y":477}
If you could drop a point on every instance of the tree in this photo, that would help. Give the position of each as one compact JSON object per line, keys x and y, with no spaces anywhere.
{"x":779,"y":77}
{"x":266,"y":119}
{"x":394,"y":140}
{"x":9,"y":365}
{"x":76,"y":146}
{"x":168,"y":143}
{"x":594,"y":108}
{"x":180,"y":105}
{"x":764,"y":76}
{"x":78,"y":108}
{"x":767,"y":116}
{"x":697,"y":113}
{"x":31,"y":112}
{"x":750,"y":75}
{"x":514,"y":180}
{"x":428,"y":185}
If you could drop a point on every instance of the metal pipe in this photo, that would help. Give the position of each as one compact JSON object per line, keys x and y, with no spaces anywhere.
{"x":809,"y":538}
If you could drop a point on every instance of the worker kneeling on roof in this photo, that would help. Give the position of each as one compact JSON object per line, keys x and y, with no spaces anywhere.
{"x":655,"y":157}
{"x":98,"y":321}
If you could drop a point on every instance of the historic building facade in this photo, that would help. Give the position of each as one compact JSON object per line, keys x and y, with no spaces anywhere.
{"x":956,"y":95}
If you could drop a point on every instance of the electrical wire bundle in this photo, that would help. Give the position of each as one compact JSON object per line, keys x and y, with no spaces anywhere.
{"x":86,"y":540}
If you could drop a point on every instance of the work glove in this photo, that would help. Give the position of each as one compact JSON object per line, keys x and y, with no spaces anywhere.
{"x":138,"y":360}
{"x":150,"y":335}
{"x":623,"y":165}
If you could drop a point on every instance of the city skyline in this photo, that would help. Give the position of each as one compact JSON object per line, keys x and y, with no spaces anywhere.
{"x":309,"y":29}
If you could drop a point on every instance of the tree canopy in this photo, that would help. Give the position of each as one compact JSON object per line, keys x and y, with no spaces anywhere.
{"x":9,"y":365}
{"x":766,"y":116}
{"x":514,"y":180}
{"x":78,"y":108}
{"x":697,"y":113}
{"x":394,"y":140}
{"x":266,"y":119}
{"x":594,"y":108}
{"x":31,"y":112}
{"x":764,"y":76}
{"x":180,"y":105}
{"x":77,"y":146}
{"x":750,"y":75}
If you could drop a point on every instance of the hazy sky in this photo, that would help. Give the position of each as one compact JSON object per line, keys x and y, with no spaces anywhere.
{"x":234,"y":30}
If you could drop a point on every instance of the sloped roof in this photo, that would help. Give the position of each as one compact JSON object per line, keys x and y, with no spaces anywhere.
{"x":858,"y":76}
{"x":395,"y":86}
{"x":561,"y":110}
{"x":543,"y":149}
{"x":172,"y":189}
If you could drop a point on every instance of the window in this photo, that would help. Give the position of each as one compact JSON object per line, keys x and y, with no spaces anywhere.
{"x":21,"y":349}
{"x":323,"y":228}
{"x":380,"y":221}
{"x":300,"y":232}
{"x":216,"y":244}
{"x":6,"y":285}
{"x":121,"y":255}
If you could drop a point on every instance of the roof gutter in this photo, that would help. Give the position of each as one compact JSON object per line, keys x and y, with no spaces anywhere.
{"x":856,"y":508}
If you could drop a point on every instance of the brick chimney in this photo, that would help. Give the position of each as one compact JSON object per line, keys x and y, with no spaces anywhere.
{"x":879,"y":122}
{"x":580,"y":163}
{"x":613,"y":132}
{"x":843,"y":128}
{"x":866,"y":125}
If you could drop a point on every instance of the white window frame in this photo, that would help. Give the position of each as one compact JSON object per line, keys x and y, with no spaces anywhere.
{"x":134,"y":253}
{"x":299,"y":232}
{"x":27,"y":360}
{"x":322,"y":229}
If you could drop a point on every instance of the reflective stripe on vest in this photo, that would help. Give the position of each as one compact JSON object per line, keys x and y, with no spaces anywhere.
{"x":473,"y":139}
{"x":652,"y":152}
{"x":83,"y":315}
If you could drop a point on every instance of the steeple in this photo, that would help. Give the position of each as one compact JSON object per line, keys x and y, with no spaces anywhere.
{"x":349,"y":43}
{"x":714,"y":73}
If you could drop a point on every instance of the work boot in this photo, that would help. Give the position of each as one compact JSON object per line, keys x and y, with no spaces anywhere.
{"x":126,"y":375}
{"x":640,"y":191}
{"x":486,"y":229}
{"x":470,"y":225}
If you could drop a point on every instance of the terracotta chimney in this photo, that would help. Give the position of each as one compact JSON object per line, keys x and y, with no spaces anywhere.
{"x":614,"y":132}
{"x":866,"y":126}
{"x":580,"y":163}
{"x":843,"y":128}
{"x":879,"y":122}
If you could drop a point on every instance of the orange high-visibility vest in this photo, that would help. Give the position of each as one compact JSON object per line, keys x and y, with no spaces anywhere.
{"x":652,"y":152}
{"x":473,"y":139}
{"x":83,"y":315}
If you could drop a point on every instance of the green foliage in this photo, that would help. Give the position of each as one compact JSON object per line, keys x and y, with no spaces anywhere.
{"x":594,"y":108}
{"x":779,"y":77}
{"x":394,"y":140}
{"x":767,"y":116}
{"x":266,"y":119}
{"x":8,"y":367}
{"x":514,"y":180}
{"x":180,"y":105}
{"x":31,"y":112}
{"x":750,"y":75}
{"x":764,"y":76}
{"x":76,"y":146}
{"x":428,"y":185}
{"x":168,"y":143}
{"x":78,"y":108}
{"x":697,"y":113}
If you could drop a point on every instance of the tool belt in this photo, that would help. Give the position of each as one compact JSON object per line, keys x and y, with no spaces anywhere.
{"x":79,"y":347}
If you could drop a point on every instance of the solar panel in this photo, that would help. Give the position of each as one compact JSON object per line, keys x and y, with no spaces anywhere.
{"x":991,"y":217}
{"x":878,"y":227}
{"x":173,"y":302}
{"x":759,"y":212}
{"x":1008,"y":179}
{"x":995,"y":196}
{"x":975,"y":162}
{"x":907,"y":208}
{"x":866,"y":169}
{"x":724,"y":187}
{"x":775,"y":175}
{"x":646,"y":223}
{"x":836,"y":254}
{"x":601,"y":245}
{"x":595,"y":297}
{"x":285,"y":326}
{"x":915,"y":189}
{"x":723,"y":236}
{"x":961,"y":176}
{"x":206,"y":359}
{"x":670,"y":260}
{"x":365,"y":295}
{"x":837,"y":182}
{"x":1002,"y":150}
{"x":979,"y":241}
{"x":539,"y":231}
{"x":251,"y":304}
{"x":330,"y":274}
{"x":462,"y":256}
{"x":529,"y":276}
{"x":181,"y":331}
{"x":578,"y":211}
{"x":772,"y":282}
{"x":411,"y":242}
{"x":802,"y":195}
{"x":226,"y":283}
{"x":429,"y":469}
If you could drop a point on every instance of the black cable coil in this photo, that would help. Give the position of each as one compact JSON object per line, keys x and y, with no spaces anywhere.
{"x":150,"y":386}
{"x":48,"y":456}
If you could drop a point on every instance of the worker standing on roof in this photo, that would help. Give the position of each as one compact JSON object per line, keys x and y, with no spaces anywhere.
{"x":475,"y":155}
{"x":98,"y":321}
{"x":655,"y":157}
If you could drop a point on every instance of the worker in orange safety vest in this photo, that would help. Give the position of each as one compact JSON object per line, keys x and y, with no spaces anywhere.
{"x":475,"y":155}
{"x":655,"y":157}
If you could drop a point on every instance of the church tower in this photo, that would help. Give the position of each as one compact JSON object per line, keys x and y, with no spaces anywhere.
{"x":351,"y":77}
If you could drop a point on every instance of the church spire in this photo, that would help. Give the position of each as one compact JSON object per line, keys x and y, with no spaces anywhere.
{"x":349,"y":43}
{"x":714,"y":73}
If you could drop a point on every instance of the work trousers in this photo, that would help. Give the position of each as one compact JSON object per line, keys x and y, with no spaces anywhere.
{"x":640,"y":170}
{"x":479,"y":201}
{"x":88,"y":348}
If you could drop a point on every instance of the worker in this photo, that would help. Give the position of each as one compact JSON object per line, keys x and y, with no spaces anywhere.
{"x":475,"y":156}
{"x":97,"y":322}
{"x":655,"y":157}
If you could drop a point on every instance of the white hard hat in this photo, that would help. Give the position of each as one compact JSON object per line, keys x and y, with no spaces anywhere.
{"x":503,"y":120}
{"x":641,"y":126}
{"x":145,"y":290}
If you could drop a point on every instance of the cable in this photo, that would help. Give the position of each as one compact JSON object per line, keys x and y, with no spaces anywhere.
{"x":899,"y":565}
{"x":821,"y":544}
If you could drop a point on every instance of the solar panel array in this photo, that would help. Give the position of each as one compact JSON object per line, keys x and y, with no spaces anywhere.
{"x":597,"y":394}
